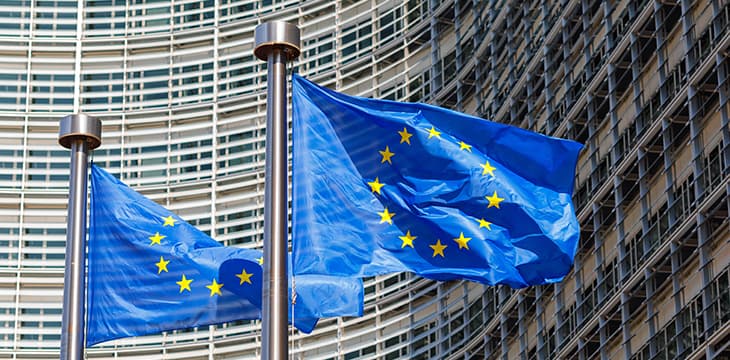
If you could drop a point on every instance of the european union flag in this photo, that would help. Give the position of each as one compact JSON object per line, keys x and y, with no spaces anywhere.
{"x":150,"y":271}
{"x":382,"y":186}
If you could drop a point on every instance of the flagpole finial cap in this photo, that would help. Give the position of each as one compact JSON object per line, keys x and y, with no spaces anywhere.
{"x":79,"y":126}
{"x":273,"y":35}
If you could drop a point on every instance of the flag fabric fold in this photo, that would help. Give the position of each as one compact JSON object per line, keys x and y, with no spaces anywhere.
{"x":150,"y":271}
{"x":381,"y":186}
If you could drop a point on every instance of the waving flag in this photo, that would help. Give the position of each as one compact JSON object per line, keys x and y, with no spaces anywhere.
{"x":150,"y":271}
{"x":382,"y":186}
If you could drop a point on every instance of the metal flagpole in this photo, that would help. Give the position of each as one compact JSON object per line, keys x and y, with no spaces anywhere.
{"x":80,"y":133}
{"x":276,"y":42}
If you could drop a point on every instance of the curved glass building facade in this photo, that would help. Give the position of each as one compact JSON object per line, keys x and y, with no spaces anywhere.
{"x":644,"y":84}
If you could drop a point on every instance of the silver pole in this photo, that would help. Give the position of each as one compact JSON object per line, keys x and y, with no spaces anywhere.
{"x":80,"y":133}
{"x":276,"y":42}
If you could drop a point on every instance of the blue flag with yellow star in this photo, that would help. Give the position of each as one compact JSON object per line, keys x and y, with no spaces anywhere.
{"x":381,"y":186}
{"x":149,"y":271}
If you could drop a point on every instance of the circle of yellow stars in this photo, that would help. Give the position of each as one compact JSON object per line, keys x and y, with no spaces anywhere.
{"x":407,"y":240}
{"x":185,"y":283}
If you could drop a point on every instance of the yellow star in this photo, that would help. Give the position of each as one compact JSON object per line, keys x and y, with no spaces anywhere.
{"x":184,"y":283}
{"x":386,"y":216}
{"x":438,"y":248}
{"x":405,"y":136}
{"x":244,"y":276}
{"x":432,"y":132}
{"x":463,"y":241}
{"x":260,"y":260}
{"x":485,"y":224}
{"x":494,"y":200}
{"x":488,"y":169}
{"x":386,"y":155}
{"x":215,"y":288}
{"x":169,"y":221}
{"x":464,"y":146}
{"x":156,"y":238}
{"x":407,"y":239}
{"x":375,"y":186}
{"x":162,"y":265}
